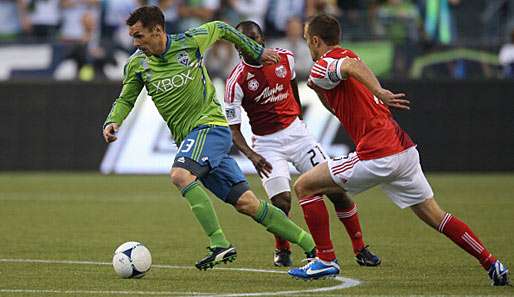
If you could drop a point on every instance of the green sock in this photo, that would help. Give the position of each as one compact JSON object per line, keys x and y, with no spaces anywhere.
{"x":204,"y":212}
{"x":279,"y":224}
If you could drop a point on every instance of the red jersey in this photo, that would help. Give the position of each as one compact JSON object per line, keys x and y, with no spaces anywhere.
{"x":265,"y":93}
{"x":365,"y":118}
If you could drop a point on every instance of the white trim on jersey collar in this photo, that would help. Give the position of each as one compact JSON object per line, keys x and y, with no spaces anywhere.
{"x":252,"y":66}
{"x":330,"y":50}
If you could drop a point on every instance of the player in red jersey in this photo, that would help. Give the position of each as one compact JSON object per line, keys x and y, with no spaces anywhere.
{"x":385,"y":155}
{"x":269,"y":94}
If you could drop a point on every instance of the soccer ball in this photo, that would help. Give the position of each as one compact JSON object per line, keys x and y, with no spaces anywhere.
{"x":131,"y":260}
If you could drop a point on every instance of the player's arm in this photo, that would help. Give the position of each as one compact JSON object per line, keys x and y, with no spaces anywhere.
{"x":321,"y":95}
{"x":262,"y":166}
{"x":233,"y":100}
{"x":132,"y":85}
{"x":296,"y":94}
{"x":208,"y":33}
{"x":294,"y":83}
{"x":354,"y":67}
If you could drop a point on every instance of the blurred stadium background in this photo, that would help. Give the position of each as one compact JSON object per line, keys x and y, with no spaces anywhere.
{"x":60,"y":70}
{"x":61,"y":65}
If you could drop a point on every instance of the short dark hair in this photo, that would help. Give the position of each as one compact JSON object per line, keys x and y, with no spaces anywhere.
{"x":149,"y":16}
{"x":250,"y":25}
{"x":325,"y":27}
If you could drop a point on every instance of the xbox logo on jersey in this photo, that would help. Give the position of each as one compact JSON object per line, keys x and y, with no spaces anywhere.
{"x":175,"y":81}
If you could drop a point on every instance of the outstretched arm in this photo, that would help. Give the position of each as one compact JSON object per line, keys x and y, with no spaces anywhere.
{"x":360,"y":71}
{"x":262,"y":166}
{"x":208,"y":33}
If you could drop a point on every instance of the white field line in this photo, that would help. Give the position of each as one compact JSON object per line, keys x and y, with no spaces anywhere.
{"x":74,"y":292}
{"x":343,"y":282}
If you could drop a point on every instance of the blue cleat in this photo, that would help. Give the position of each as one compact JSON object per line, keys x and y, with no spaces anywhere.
{"x":366,"y":258}
{"x":316,"y":269}
{"x":499,"y":274}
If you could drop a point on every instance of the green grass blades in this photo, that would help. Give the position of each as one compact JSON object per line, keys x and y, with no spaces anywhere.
{"x":75,"y":221}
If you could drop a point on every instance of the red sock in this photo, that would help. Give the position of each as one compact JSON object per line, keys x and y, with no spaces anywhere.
{"x":282,"y":244}
{"x":316,"y":217}
{"x":350,"y":219}
{"x":462,"y":235}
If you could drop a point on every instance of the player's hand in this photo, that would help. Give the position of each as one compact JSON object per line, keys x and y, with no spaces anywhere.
{"x":314,"y":87}
{"x":110,"y":132}
{"x":262,"y":166}
{"x":393,"y":100}
{"x":269,"y":56}
{"x":311,"y":84}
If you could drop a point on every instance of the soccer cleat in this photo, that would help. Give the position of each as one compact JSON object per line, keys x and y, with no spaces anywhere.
{"x":215,"y":256}
{"x":366,"y":258}
{"x":316,"y":269}
{"x":499,"y":274}
{"x":282,"y":258}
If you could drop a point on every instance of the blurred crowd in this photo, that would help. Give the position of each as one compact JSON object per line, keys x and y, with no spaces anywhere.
{"x":89,"y":32}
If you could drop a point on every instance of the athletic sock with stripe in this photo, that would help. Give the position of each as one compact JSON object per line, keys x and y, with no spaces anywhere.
{"x":462,"y":235}
{"x":204,"y":212}
{"x":317,"y":219}
{"x":350,"y":219}
{"x":279,"y":224}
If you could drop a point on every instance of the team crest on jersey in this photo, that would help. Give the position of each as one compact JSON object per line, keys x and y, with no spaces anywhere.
{"x":253,"y":85}
{"x":183,"y":58}
{"x":281,"y":71}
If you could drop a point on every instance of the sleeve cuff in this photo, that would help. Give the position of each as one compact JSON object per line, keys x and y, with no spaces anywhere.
{"x":259,"y":56}
{"x":338,"y":69}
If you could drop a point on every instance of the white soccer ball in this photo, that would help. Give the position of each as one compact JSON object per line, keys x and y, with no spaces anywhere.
{"x":131,"y":260}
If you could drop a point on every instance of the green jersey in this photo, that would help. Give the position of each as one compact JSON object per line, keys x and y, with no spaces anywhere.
{"x":178,"y":81}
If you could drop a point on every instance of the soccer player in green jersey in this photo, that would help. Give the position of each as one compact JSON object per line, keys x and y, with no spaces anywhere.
{"x":170,"y":67}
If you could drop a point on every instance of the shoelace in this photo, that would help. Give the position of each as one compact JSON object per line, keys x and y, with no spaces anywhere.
{"x":309,"y":261}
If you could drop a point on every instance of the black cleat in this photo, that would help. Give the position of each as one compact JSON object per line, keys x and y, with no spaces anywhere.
{"x":215,"y":256}
{"x":498,"y":274}
{"x":366,"y":258}
{"x":282,"y":258}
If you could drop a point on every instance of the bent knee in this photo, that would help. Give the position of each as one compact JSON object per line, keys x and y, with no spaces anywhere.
{"x":300,"y":188}
{"x":282,"y":201}
{"x":430,"y":212}
{"x":181,"y":177}
{"x":340,"y":200}
{"x":247,"y":204}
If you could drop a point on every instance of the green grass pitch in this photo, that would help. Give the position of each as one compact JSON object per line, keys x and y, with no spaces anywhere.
{"x":84,"y":217}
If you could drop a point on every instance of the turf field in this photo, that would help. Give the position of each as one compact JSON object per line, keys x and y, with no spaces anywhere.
{"x":73,"y":222}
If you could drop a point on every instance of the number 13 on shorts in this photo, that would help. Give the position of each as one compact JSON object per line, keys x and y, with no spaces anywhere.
{"x":186,"y":145}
